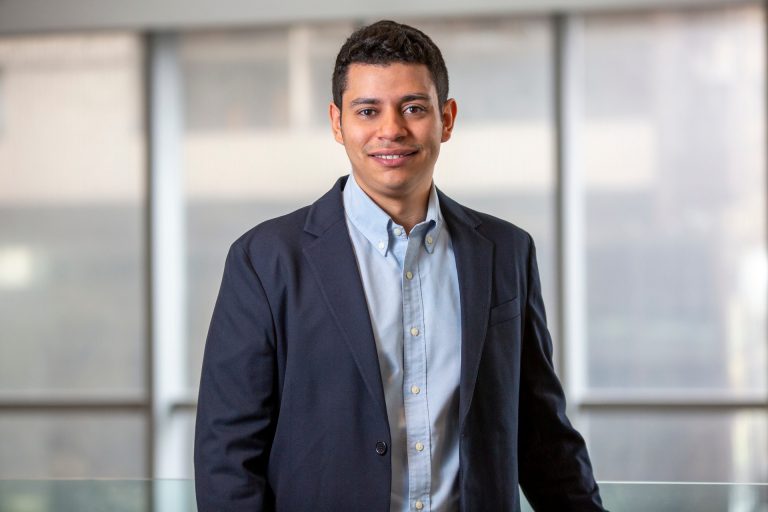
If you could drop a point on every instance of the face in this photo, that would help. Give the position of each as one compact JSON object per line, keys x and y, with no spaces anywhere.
{"x":391,"y":126}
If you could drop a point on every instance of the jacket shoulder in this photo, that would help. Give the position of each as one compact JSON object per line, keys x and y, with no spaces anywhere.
{"x":290,"y":231}
{"x":496,"y":227}
{"x":276,"y":235}
{"x":497,"y":230}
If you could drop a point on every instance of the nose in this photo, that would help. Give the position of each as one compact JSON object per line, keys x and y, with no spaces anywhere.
{"x":392,"y":125}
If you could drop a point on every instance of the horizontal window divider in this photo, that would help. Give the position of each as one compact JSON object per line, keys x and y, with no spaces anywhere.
{"x":183,"y":406}
{"x":70,"y":403}
{"x":671,"y":400}
{"x":184,"y":402}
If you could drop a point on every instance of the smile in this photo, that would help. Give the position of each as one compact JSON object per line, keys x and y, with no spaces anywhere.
{"x":394,"y":159}
{"x":389,"y":158}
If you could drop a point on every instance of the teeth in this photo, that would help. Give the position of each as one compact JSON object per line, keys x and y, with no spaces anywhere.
{"x":389,"y":157}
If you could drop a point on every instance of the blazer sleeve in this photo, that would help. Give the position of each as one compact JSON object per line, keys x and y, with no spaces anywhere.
{"x":237,"y":404}
{"x":555,"y":470}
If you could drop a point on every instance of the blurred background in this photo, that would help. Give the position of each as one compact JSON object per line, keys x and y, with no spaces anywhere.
{"x":138,"y":140}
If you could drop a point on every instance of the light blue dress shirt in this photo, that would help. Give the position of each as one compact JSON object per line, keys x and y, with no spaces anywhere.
{"x":412,"y":289}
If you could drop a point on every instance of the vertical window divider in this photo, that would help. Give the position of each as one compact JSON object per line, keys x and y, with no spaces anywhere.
{"x":557,"y":21}
{"x":149,"y":444}
{"x":764,"y":5}
{"x":568,"y":55}
{"x":167,"y":260}
{"x":765,"y":142}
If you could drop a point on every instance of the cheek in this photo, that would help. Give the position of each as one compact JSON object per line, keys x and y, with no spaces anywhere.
{"x":432,"y":134}
{"x":355,"y":140}
{"x":434,"y":140}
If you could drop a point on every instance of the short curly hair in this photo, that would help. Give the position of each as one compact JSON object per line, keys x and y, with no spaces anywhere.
{"x":383,"y":43}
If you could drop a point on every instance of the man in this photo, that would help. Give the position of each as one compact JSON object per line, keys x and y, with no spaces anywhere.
{"x":385,"y":349}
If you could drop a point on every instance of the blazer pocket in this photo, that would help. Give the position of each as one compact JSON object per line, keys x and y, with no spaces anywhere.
{"x":505,"y":311}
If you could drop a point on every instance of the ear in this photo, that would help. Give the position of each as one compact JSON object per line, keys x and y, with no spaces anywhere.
{"x":449,"y":118}
{"x":335,"y":116}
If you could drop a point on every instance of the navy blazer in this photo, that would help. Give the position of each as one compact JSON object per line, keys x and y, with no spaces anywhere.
{"x":291,"y":413}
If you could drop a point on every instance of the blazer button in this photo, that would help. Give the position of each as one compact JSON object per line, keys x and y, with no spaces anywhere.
{"x":381,"y":448}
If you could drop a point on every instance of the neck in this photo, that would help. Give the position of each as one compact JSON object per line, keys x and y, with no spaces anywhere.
{"x":407,"y":210}
{"x":407,"y":213}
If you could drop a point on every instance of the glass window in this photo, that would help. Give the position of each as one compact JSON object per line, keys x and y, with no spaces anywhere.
{"x":188,"y":419}
{"x":326,"y":40}
{"x":674,"y":160}
{"x":71,"y":221}
{"x":499,"y":69}
{"x":678,"y":446}
{"x":235,"y":82}
{"x":72,"y":445}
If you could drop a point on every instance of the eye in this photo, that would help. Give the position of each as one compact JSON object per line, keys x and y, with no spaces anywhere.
{"x":414,"y":109}
{"x":366,"y":112}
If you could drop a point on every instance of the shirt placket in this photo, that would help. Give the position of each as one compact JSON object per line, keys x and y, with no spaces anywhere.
{"x":415,"y":377}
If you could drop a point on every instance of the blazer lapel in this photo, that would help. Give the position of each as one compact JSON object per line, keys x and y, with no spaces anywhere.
{"x":474,"y":265}
{"x":332,"y":260}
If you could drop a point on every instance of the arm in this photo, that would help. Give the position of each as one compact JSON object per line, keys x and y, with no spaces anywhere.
{"x":237,"y":406}
{"x":555,"y":471}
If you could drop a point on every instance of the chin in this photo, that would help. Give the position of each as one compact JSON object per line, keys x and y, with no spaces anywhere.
{"x":397,"y":181}
{"x":399,"y":178}
{"x":402,"y":188}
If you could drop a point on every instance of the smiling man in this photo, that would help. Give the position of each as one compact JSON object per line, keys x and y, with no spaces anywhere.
{"x":385,"y":349}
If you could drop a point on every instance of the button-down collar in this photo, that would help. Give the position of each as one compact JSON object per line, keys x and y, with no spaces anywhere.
{"x":379,"y":229}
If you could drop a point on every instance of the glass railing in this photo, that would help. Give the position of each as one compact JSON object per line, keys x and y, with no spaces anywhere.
{"x":683,"y":497}
{"x":179,"y":496}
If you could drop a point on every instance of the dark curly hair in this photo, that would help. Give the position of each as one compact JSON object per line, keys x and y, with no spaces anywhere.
{"x":385,"y":42}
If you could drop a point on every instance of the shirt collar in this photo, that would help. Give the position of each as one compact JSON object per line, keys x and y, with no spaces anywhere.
{"x":378,"y":228}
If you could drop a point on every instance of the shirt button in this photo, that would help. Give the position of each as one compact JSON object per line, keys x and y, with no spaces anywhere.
{"x":398,"y":231}
{"x":419,"y":447}
{"x":429,"y":239}
{"x":419,"y":505}
{"x":409,"y":275}
{"x":381,"y":245}
{"x":414,"y":331}
{"x":381,"y":448}
{"x":415,"y":390}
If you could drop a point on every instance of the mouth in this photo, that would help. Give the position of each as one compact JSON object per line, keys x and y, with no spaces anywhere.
{"x":393,"y":158}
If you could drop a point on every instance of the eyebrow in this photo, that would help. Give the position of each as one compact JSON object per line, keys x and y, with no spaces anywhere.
{"x":414,"y":97}
{"x":364,"y":101}
{"x":376,"y":101}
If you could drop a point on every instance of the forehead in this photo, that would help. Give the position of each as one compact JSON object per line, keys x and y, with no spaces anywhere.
{"x":388,"y":81}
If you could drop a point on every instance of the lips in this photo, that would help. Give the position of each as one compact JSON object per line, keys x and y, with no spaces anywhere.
{"x":393,"y":157}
